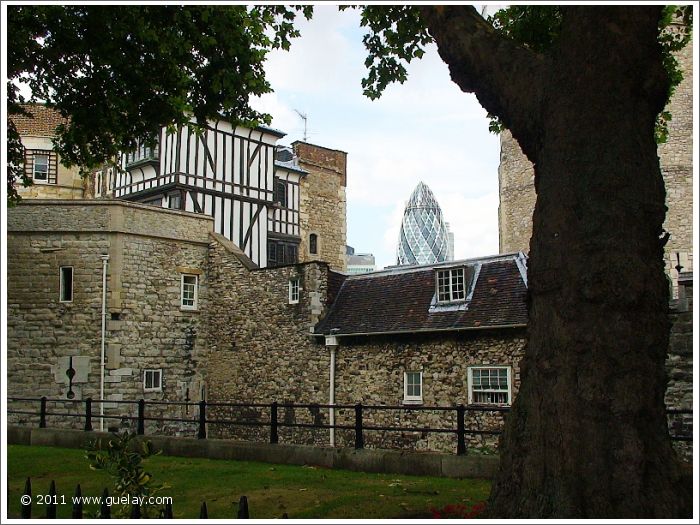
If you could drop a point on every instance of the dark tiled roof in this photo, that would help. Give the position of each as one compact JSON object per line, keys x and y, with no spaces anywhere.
{"x":399,"y":301}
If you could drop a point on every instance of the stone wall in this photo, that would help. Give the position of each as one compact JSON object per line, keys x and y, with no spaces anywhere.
{"x":148,"y":249}
{"x":259,"y":347}
{"x":517,"y":191}
{"x":679,"y":366}
{"x":371,"y":371}
{"x":323,"y":203}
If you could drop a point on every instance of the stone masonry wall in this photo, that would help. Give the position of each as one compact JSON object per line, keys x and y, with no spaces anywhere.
{"x":679,"y":367}
{"x":323,"y":203}
{"x":517,"y":178}
{"x":371,"y":371}
{"x":148,"y":250}
{"x":259,"y":350}
{"x":259,"y":347}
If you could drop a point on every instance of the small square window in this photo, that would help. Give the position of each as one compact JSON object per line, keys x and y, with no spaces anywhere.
{"x":489,"y":385}
{"x":189,"y":292}
{"x":413,"y":387}
{"x":450,"y":285}
{"x":40,"y":169}
{"x":152,"y":380}
{"x":294,"y":290}
{"x":66,"y":284}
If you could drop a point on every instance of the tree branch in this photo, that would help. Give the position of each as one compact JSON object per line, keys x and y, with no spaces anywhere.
{"x":506,"y":78}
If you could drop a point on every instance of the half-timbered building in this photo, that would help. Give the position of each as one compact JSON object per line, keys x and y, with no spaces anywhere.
{"x":238,"y":176}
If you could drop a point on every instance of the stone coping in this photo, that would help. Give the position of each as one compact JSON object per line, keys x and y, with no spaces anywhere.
{"x":368,"y":460}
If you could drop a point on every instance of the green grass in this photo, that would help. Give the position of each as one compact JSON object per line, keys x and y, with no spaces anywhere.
{"x":272,"y":490}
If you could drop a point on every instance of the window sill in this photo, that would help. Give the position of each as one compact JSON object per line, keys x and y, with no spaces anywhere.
{"x":412,"y":402}
{"x":188,"y":309}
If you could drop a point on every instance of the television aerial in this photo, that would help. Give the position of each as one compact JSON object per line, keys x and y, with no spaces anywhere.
{"x":303,"y":117}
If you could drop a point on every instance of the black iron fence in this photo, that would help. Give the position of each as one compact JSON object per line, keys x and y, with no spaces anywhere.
{"x":141,"y":414}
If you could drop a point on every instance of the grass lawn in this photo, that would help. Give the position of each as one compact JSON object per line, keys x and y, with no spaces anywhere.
{"x":272,"y":490}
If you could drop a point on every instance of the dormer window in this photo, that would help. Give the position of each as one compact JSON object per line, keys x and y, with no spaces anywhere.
{"x":450,"y":285}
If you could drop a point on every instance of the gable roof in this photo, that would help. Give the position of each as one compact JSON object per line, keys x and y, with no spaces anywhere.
{"x":42,"y":122}
{"x":399,"y":300}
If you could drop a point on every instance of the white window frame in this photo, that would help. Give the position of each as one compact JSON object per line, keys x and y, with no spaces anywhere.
{"x":470,"y":384}
{"x":45,"y":178}
{"x":62,"y":284}
{"x":195,"y":299}
{"x":412,"y":398}
{"x":294,"y":290}
{"x":454,"y":294}
{"x":154,"y":372}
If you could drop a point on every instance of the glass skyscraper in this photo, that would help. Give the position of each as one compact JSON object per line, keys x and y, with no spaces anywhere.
{"x":424,"y":237}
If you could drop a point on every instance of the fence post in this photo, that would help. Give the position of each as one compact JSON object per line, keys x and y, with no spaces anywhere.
{"x":77,"y":504}
{"x":461,"y":445}
{"x":273,"y":423}
{"x":51,"y":507}
{"x":88,"y":415}
{"x":243,"y":508}
{"x":203,"y":513}
{"x":359,"y":440}
{"x":42,"y":413}
{"x":142,"y":410}
{"x":105,"y":510}
{"x":27,"y":507}
{"x":202,"y":432}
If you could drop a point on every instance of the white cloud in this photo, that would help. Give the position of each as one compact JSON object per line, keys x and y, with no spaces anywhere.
{"x":425,"y":129}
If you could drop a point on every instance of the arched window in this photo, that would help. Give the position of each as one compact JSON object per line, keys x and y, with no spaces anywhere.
{"x":313,"y":243}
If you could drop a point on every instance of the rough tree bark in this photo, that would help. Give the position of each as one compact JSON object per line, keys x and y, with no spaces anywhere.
{"x":587,"y":435}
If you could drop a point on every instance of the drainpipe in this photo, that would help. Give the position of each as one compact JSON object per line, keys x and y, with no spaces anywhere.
{"x":331,"y":343}
{"x":104,"y":258}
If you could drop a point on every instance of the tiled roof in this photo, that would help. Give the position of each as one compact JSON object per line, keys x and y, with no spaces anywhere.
{"x":43,"y":122}
{"x":399,"y":300}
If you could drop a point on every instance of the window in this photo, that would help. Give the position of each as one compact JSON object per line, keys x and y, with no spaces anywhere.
{"x":40,"y":168}
{"x":313,"y":243}
{"x":294,"y":290}
{"x":158,"y":201}
{"x":66,"y":284}
{"x":489,"y":385}
{"x":174,"y":201}
{"x":450,"y":285}
{"x":279,"y":252}
{"x":280,"y":192}
{"x":413,"y":386}
{"x":189,"y":292}
{"x":152,"y":380}
{"x":141,"y":154}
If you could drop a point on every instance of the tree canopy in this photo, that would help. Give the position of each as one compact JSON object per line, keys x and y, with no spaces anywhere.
{"x":120,"y":73}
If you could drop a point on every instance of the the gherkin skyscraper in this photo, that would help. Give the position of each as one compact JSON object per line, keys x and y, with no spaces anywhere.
{"x":424,"y":237}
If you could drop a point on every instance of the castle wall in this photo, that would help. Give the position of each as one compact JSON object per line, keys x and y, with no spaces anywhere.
{"x":323,"y":203}
{"x":148,"y":251}
{"x":517,"y":192}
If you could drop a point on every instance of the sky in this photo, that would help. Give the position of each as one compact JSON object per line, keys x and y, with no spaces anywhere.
{"x":425,"y":129}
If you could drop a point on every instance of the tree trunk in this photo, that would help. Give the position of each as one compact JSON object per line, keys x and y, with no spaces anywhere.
{"x":587,"y":436}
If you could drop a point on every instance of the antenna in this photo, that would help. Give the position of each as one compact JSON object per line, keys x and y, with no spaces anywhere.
{"x":304,"y":118}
